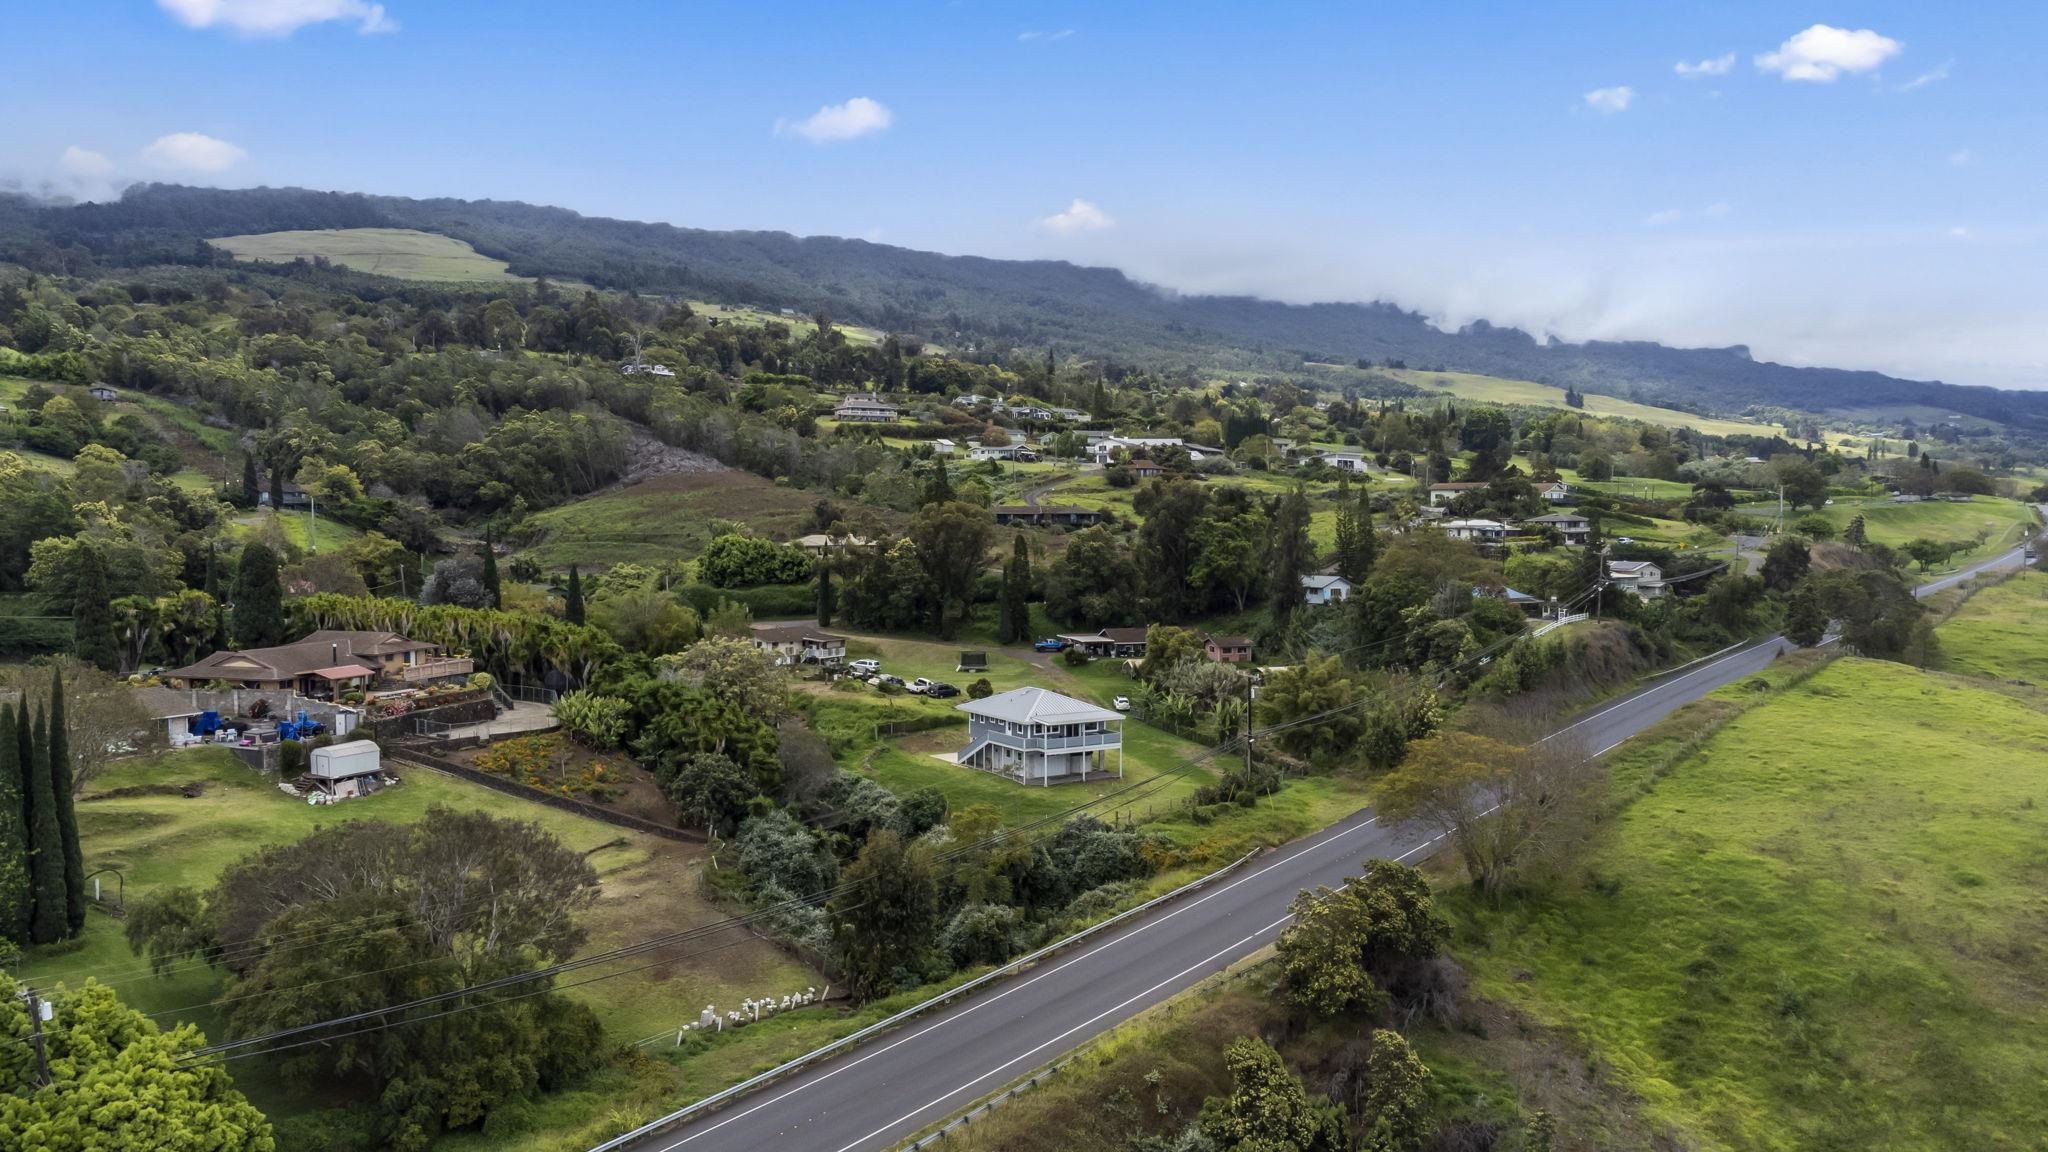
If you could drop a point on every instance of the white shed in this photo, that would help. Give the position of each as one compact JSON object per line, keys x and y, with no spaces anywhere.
{"x":345,"y":770}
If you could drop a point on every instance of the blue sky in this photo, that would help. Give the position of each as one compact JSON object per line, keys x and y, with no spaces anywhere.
{"x":1852,"y":184}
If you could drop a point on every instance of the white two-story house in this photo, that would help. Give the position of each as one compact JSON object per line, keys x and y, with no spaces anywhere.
{"x":1038,"y":737}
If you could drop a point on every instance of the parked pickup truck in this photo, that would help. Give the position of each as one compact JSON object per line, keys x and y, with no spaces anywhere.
{"x":1050,"y":644}
{"x":922,"y":685}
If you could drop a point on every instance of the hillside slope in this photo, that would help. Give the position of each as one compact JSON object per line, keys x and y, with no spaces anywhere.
{"x":1096,"y":310}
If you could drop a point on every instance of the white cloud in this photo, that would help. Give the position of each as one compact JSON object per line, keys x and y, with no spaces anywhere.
{"x":1961,"y":158}
{"x":84,"y":164}
{"x":1717,"y":209}
{"x":1043,"y":37}
{"x":1959,"y":232}
{"x":1608,"y":101}
{"x":1711,"y":66}
{"x":192,"y":152}
{"x":1822,"y":53}
{"x":1080,"y":216}
{"x":1931,"y":76}
{"x":857,"y":117}
{"x":277,"y":17}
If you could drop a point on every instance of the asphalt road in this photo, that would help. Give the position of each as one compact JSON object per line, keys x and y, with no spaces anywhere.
{"x":876,"y":1096}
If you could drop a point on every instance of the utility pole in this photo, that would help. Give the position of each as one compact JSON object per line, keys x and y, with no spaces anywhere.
{"x":1248,"y":698}
{"x":312,"y":525}
{"x":38,"y":1011}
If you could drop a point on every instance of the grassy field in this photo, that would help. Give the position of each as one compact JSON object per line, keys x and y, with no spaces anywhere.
{"x":156,"y":837}
{"x":298,"y":529}
{"x":1498,"y":390}
{"x":2003,"y":522}
{"x":2000,"y":632}
{"x":1819,"y":931}
{"x":401,"y":253}
{"x":800,"y":327}
{"x":666,"y":517}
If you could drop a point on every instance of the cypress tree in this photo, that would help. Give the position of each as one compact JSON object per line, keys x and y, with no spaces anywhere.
{"x":258,"y":598}
{"x":59,"y":743}
{"x":92,"y":614}
{"x":493,"y":590}
{"x":826,"y":602}
{"x":47,"y":922}
{"x":1290,"y":558}
{"x":276,"y":488}
{"x":939,"y":489}
{"x":16,"y":897}
{"x":1016,"y":613}
{"x":249,"y":481}
{"x":572,"y":599}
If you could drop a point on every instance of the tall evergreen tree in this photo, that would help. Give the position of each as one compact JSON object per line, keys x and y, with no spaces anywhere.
{"x":1016,"y":605}
{"x":48,"y":922}
{"x":250,"y":484}
{"x":92,"y":614}
{"x":827,"y":603}
{"x":17,"y":897}
{"x":1347,"y":527}
{"x":59,"y":743}
{"x":939,"y":488}
{"x":572,"y":598}
{"x":493,"y":588}
{"x":258,"y":598}
{"x":276,"y":487}
{"x":1290,"y":558}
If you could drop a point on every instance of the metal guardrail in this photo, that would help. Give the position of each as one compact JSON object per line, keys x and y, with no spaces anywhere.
{"x":853,"y":1039}
{"x":987,"y":1106}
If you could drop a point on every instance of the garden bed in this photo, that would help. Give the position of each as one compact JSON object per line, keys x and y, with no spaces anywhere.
{"x":552,"y":763}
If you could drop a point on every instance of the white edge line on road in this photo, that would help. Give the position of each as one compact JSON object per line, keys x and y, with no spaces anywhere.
{"x":1709,"y":663}
{"x":974,"y":1005}
{"x":1204,"y":961}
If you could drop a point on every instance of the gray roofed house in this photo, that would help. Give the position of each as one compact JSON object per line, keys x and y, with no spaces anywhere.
{"x":1036,"y":736}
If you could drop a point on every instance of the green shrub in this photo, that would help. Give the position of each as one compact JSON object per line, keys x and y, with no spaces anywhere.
{"x":599,"y":721}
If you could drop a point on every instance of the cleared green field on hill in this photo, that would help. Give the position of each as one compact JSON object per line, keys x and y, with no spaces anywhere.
{"x":667,"y":518}
{"x":2000,"y":632}
{"x":1498,"y":390}
{"x":1819,"y":931}
{"x":2002,"y":522}
{"x":401,"y":253}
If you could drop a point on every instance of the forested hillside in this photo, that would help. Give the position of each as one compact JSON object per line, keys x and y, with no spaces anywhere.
{"x":966,"y":299}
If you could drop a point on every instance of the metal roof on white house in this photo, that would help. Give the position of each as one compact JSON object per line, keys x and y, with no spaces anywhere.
{"x":1037,"y":706}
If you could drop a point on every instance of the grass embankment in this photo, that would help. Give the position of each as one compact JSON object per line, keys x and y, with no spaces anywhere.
{"x":2001,"y":632}
{"x":657,"y":520}
{"x":156,"y":838}
{"x":1819,"y":930}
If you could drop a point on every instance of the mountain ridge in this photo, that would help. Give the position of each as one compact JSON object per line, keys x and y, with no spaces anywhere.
{"x":1096,"y":310}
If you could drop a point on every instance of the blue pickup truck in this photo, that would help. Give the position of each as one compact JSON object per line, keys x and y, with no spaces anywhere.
{"x":1050,"y":644}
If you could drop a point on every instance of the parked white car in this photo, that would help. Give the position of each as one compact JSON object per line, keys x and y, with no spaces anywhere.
{"x":865,"y":667}
{"x":1121,"y":704}
{"x":921,"y":684}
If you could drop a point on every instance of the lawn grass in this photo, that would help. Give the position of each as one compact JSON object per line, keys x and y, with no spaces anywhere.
{"x":1819,"y":931}
{"x":400,"y":253}
{"x":160,"y":839}
{"x":2000,"y":632}
{"x":666,"y":518}
{"x":298,"y":529}
{"x":1499,"y":390}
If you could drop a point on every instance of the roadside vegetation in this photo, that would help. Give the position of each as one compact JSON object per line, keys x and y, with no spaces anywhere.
{"x":631,"y":500}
